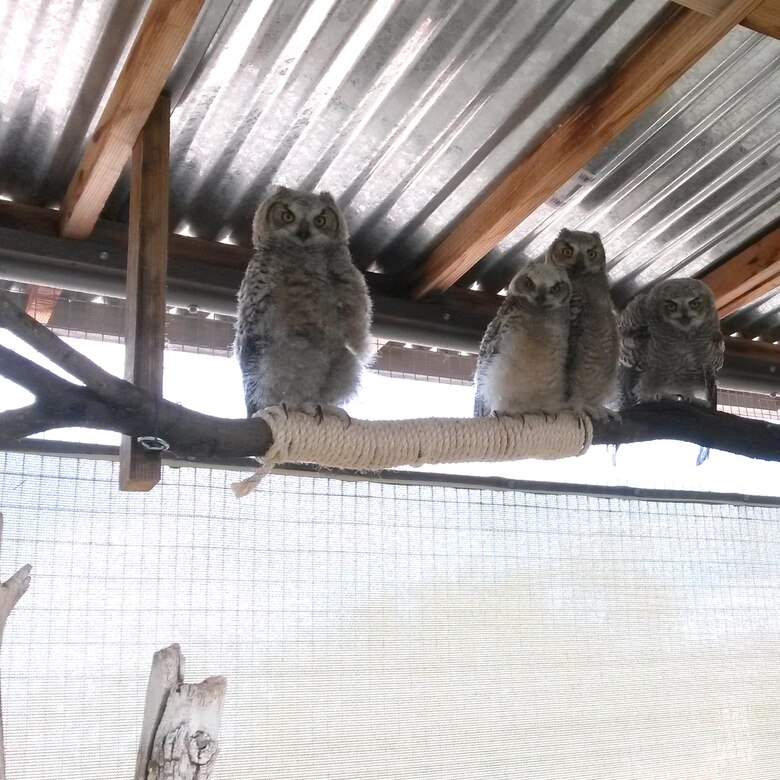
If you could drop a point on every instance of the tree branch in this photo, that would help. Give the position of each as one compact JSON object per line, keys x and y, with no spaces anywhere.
{"x":29,"y":375}
{"x":693,"y":423}
{"x":49,"y":345}
{"x":108,"y":403}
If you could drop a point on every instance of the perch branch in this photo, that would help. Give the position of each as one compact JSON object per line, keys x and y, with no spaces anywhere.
{"x":109,"y":403}
{"x":693,"y":423}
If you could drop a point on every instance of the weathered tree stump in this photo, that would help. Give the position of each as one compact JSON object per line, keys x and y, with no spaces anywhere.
{"x":10,"y":593}
{"x":181,"y":722}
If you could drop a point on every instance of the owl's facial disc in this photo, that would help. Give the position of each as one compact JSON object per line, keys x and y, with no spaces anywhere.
{"x":683,"y":313}
{"x":303,"y":233}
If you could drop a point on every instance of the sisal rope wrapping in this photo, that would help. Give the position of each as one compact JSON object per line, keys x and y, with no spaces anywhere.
{"x":371,"y":445}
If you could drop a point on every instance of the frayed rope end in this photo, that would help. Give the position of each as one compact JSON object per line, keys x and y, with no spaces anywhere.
{"x":246,"y":486}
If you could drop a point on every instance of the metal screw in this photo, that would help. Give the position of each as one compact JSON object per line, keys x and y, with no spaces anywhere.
{"x":103,"y":255}
{"x":193,"y":309}
{"x":446,"y":316}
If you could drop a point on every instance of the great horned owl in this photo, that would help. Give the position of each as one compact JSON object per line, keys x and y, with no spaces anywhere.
{"x":593,"y":346}
{"x":670,"y":344}
{"x":304,"y":311}
{"x":522,"y":358}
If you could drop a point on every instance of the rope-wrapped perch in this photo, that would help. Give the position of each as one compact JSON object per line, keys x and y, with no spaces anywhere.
{"x":371,"y":445}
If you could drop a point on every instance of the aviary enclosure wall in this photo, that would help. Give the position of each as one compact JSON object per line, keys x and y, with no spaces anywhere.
{"x":392,"y":631}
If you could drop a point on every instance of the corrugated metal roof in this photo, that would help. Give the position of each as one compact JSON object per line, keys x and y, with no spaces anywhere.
{"x":408,"y":111}
{"x":59,"y":60}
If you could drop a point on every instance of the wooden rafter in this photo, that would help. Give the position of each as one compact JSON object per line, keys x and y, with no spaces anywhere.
{"x":764,"y":19}
{"x":666,"y":54}
{"x":147,"y":261}
{"x":747,"y":276}
{"x":160,"y":39}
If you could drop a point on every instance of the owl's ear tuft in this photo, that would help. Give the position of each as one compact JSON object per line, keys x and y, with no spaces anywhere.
{"x":327,"y":197}
{"x":281,"y":191}
{"x":260,"y":221}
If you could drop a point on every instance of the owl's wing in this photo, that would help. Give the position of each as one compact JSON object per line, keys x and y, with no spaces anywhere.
{"x":713,"y":364}
{"x":251,"y":351}
{"x":632,"y":353}
{"x":488,"y":348}
{"x":576,"y":328}
{"x":491,"y":341}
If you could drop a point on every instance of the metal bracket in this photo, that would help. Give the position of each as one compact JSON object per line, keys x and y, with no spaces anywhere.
{"x":153,"y":443}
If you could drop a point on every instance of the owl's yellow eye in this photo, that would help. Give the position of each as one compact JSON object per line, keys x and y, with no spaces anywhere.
{"x":288,"y":216}
{"x":555,"y":287}
{"x":320,"y":220}
{"x":592,"y":254}
{"x":567,"y":251}
{"x":670,"y":306}
{"x":529,"y":284}
{"x":695,"y":304}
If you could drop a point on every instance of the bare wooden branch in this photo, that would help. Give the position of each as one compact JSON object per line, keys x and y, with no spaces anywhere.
{"x":62,"y":404}
{"x":192,"y":435}
{"x":694,"y":423}
{"x":10,"y":593}
{"x":23,"y":372}
{"x":44,"y":341}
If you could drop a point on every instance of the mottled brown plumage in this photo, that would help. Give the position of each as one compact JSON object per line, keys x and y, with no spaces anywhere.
{"x":304,"y":312}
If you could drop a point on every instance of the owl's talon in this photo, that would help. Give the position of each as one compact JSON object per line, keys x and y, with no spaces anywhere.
{"x":338,"y":412}
{"x":599,"y":413}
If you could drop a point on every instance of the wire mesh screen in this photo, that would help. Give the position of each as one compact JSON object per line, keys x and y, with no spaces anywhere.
{"x":385,"y":631}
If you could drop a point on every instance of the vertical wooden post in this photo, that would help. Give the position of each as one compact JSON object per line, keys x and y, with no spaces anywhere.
{"x":147,"y":262}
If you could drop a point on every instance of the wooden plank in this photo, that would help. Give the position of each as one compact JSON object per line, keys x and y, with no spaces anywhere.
{"x":41,"y":302}
{"x":764,"y":19}
{"x":666,"y":54}
{"x":160,"y":39}
{"x":147,"y":260}
{"x":752,"y":273}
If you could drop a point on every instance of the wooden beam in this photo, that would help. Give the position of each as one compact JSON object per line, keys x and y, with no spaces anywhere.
{"x":160,"y":39}
{"x":666,"y":54}
{"x":147,"y":261}
{"x":764,"y":19}
{"x":752,"y":273}
{"x":41,"y":302}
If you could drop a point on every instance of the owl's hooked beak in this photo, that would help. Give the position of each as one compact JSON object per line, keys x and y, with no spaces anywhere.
{"x":303,"y":232}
